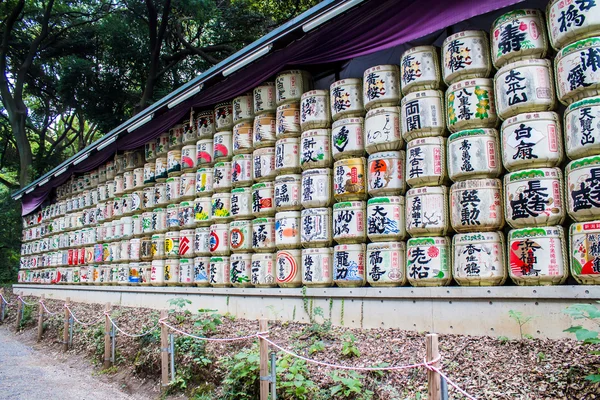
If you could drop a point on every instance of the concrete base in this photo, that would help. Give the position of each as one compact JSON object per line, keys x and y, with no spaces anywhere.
{"x":458,"y":310}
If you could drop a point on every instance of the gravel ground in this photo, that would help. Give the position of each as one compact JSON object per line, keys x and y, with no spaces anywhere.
{"x":26,"y":373}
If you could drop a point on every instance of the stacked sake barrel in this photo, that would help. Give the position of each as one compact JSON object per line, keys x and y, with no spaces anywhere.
{"x":574,"y":32}
{"x":531,"y":149}
{"x":428,"y":261}
{"x":385,"y":221}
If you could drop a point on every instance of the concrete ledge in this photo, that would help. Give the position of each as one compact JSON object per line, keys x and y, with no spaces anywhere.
{"x":460,"y":310}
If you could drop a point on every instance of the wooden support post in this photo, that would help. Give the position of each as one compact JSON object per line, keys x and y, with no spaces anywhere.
{"x":164,"y":350}
{"x":19,"y":307}
{"x":434,"y":380}
{"x":2,"y":305}
{"x":264,"y":359}
{"x":107,"y":341}
{"x":66,"y":326}
{"x":40,"y":319}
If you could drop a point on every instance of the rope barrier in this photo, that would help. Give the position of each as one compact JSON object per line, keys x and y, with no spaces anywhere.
{"x":24,"y":302}
{"x":254,"y":335}
{"x":129,"y":334}
{"x":4,"y":300}
{"x":45,"y":308}
{"x":82,"y":323}
{"x":454,"y":385}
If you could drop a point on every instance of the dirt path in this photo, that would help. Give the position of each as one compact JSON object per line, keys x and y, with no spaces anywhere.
{"x":26,"y":373}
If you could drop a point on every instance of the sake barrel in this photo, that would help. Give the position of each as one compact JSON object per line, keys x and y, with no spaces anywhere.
{"x":172,"y":271}
{"x":159,"y":220}
{"x":240,"y":236}
{"x":290,"y":85}
{"x":219,"y":272}
{"x":427,"y":211}
{"x":205,"y":124}
{"x":204,"y":182}
{"x":161,"y":196}
{"x":162,"y":145}
{"x":223,"y":146}
{"x":349,"y":265}
{"x":349,"y":220}
{"x":568,"y":22}
{"x":223,"y":116}
{"x":386,"y":173}
{"x":133,"y":159}
{"x":420,"y":69}
{"x":241,"y":203}
{"x":203,"y":211}
{"x":201,"y":267}
{"x":466,"y":56}
{"x":532,"y":140}
{"x":288,"y":268}
{"x":242,"y":137}
{"x":422,"y":114}
{"x":241,"y":170}
{"x":172,"y":240}
{"x":204,"y":152}
{"x":346,"y":98}
{"x":263,"y":165}
{"x":122,"y":274}
{"x":219,"y":239}
{"x":187,"y":186}
{"x":476,"y":205}
{"x":120,"y":164}
{"x":101,"y":175}
{"x":222,"y":176}
{"x":241,"y":269}
{"x":176,"y":137}
{"x":537,"y":256}
{"x":264,"y":130}
{"x":534,"y":197}
{"x":186,"y":243}
{"x":470,"y":104}
{"x":160,"y":169}
{"x":186,"y":271}
{"x":583,"y":187}
{"x":382,"y":127}
{"x":173,"y":163}
{"x":478,"y":259}
{"x":243,"y":108}
{"x":263,"y":234}
{"x":474,"y":153}
{"x":221,"y":207}
{"x":585,"y":252}
{"x":145,"y":273}
{"x":263,"y":267}
{"x":386,"y":264}
{"x":157,"y":275}
{"x":317,"y":265}
{"x":381,"y":86}
{"x":347,"y":138}
{"x":264,"y":98}
{"x":134,"y":274}
{"x":119,"y":183}
{"x":524,"y":86}
{"x":136,"y":223}
{"x":287,"y":230}
{"x":202,"y":241}
{"x":518,"y":35}
{"x":148,"y":202}
{"x":315,"y":149}
{"x":349,"y":180}
{"x":138,"y":178}
{"x":147,"y":247}
{"x":173,"y":189}
{"x":315,"y":227}
{"x":314,"y":110}
{"x":110,"y":170}
{"x":426,"y":161}
{"x":428,"y":261}
{"x":386,"y":219}
{"x":287,"y":160}
{"x":582,"y":135}
{"x":263,"y":199}
{"x":578,"y":71}
{"x":189,"y":160}
{"x":287,"y":121}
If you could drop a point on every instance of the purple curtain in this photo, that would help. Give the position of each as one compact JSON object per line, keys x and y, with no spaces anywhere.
{"x":374,"y":26}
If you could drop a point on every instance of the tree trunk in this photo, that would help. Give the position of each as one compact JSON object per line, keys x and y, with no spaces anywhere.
{"x":24,"y":147}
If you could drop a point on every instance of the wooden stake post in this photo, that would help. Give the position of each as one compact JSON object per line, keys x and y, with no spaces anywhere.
{"x":19,"y":307}
{"x":264,"y":359}
{"x":164,"y":351}
{"x":107,"y":339}
{"x":66,"y":326}
{"x":434,"y":381}
{"x":40,"y":319}
{"x":2,"y":305}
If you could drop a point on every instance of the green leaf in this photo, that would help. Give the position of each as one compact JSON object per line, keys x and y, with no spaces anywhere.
{"x":593,"y":378}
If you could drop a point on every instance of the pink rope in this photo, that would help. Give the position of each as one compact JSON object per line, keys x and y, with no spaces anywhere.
{"x":82,"y":323}
{"x":24,"y":302}
{"x":130,"y":334}
{"x":431,"y":367}
{"x":4,"y":300}
{"x":254,"y":335}
{"x":45,"y":308}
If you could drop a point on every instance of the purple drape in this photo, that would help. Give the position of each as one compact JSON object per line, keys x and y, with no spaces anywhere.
{"x":374,"y":26}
